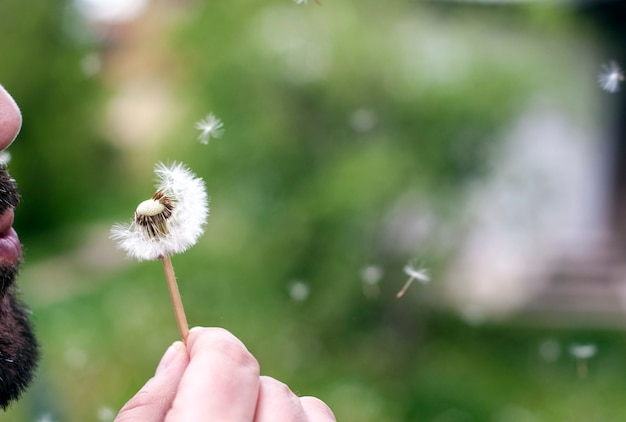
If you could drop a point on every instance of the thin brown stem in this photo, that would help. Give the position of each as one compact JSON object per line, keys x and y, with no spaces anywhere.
{"x":405,"y":287}
{"x":177,"y":303}
{"x":581,"y":368}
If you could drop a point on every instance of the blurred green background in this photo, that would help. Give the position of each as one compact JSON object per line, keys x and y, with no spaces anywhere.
{"x":335,"y":117}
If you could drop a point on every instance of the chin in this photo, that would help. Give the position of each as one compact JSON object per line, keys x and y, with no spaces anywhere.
{"x":19,"y":351}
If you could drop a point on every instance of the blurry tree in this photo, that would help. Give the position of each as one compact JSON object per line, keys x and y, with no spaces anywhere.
{"x":60,"y":161}
{"x":335,"y":115}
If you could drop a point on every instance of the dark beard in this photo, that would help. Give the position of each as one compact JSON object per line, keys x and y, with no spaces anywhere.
{"x":19,"y":351}
{"x":9,"y":195}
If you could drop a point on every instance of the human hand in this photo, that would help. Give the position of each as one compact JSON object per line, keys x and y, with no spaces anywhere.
{"x":215,"y":378}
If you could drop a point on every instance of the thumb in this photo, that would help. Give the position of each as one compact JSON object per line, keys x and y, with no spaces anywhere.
{"x":155,"y":398}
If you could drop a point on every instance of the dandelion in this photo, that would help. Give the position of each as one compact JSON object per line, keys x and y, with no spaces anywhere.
{"x":582,"y":353}
{"x":611,"y":77}
{"x":414,"y":273}
{"x":168,"y":223}
{"x":209,"y":127}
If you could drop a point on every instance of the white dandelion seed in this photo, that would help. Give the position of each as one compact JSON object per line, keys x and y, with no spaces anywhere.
{"x":299,"y":290}
{"x":371,"y":277}
{"x":5,"y":158}
{"x":170,"y":222}
{"x":550,"y":350}
{"x":414,"y":273}
{"x":209,"y":127}
{"x":582,"y":353}
{"x":105,"y":414}
{"x":611,"y":77}
{"x":46,"y":417}
{"x":306,"y":1}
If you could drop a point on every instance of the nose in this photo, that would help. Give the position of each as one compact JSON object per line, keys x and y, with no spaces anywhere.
{"x":10,"y":119}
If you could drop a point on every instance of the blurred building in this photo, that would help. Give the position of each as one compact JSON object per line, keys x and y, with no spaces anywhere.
{"x":549,"y":241}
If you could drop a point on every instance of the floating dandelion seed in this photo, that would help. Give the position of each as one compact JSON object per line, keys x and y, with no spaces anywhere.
{"x":306,"y":1}
{"x":582,"y":353}
{"x":414,"y":273}
{"x":611,"y":77}
{"x":550,"y":350}
{"x":46,"y":417}
{"x":105,"y":414}
{"x":170,"y":222}
{"x":209,"y":127}
{"x":299,"y":290}
{"x":5,"y":158}
{"x":371,"y":276}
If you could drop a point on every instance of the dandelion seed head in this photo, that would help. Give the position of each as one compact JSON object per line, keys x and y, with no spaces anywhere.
{"x":150,"y":208}
{"x":209,"y":127}
{"x":171,"y":221}
{"x":152,"y":214}
{"x":611,"y":76}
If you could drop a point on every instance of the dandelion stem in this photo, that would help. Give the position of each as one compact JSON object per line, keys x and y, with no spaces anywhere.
{"x":405,"y":287}
{"x":177,"y":303}
{"x":581,"y":368}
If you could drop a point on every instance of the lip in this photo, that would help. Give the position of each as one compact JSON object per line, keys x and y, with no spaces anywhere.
{"x":10,"y":246}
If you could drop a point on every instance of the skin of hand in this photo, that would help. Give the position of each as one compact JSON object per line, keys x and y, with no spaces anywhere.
{"x":215,"y":378}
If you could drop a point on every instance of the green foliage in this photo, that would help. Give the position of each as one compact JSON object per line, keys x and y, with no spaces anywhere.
{"x":60,"y":160}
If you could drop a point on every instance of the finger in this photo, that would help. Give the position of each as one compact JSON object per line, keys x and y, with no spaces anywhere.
{"x":316,"y":410}
{"x":277,"y":403}
{"x":221,"y":382}
{"x":155,"y":399}
{"x":10,"y":119}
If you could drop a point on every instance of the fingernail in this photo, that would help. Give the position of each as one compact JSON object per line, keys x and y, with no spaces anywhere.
{"x":168,"y":357}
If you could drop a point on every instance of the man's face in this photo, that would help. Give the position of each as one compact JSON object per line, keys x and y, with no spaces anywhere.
{"x":18,"y":346}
